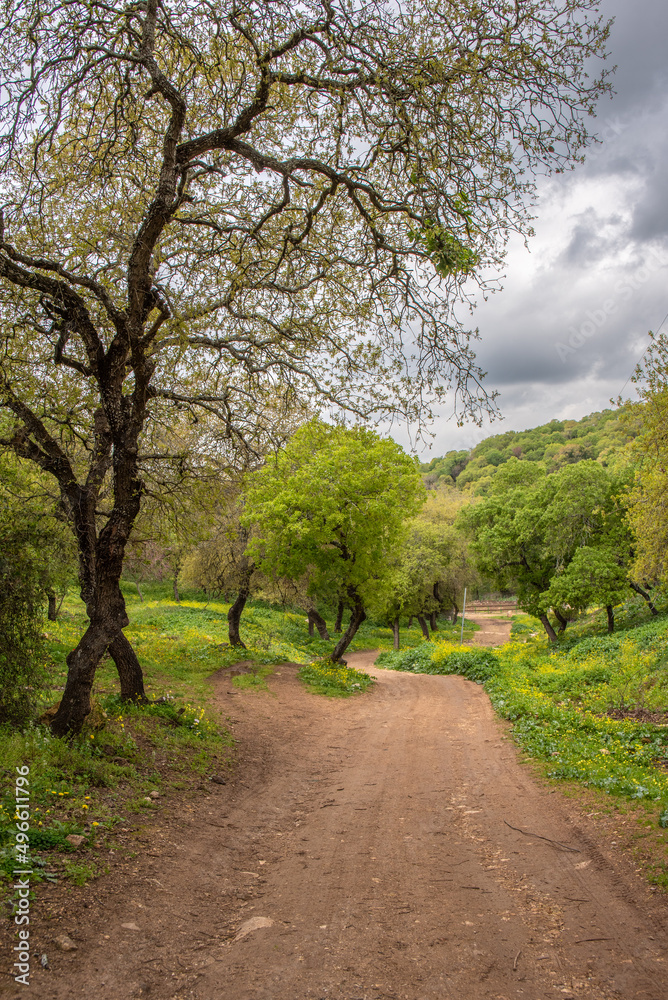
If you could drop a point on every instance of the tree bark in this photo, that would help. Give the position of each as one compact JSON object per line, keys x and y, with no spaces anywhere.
{"x":129,"y":670}
{"x":358,"y":615}
{"x":234,"y":614}
{"x":177,"y":596}
{"x":311,"y":627}
{"x":423,"y":625}
{"x":395,"y":632}
{"x":141,"y":596}
{"x":563,"y":622}
{"x":433,"y":621}
{"x":410,"y":621}
{"x":545,"y":621}
{"x":611,"y":617}
{"x":645,"y":596}
{"x":455,"y":613}
{"x":339,"y":617}
{"x":52,"y":613}
{"x":315,"y":618}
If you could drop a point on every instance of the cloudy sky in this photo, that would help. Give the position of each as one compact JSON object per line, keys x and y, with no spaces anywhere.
{"x":571,"y":323}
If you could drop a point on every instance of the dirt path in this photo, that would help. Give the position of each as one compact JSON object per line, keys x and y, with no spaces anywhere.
{"x":374,"y":836}
{"x":494,"y":629}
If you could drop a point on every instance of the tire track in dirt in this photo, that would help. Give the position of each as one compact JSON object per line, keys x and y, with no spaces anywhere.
{"x":373,"y":833}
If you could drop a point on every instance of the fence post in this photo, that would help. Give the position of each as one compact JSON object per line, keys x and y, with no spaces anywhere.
{"x":461,"y":641}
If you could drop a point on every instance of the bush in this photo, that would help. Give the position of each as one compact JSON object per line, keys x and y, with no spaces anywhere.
{"x":22,"y":651}
{"x":416,"y":660}
{"x":443,"y":658}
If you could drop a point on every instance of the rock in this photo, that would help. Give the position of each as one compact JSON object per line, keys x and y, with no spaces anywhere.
{"x":130,"y":927}
{"x":44,"y":961}
{"x":254,"y":924}
{"x":75,"y":839}
{"x":218,"y":780}
{"x":154,"y":795}
{"x":65,"y":943}
{"x":147,"y":800}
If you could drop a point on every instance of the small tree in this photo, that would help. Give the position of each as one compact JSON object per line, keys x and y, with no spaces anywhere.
{"x":334,"y":504}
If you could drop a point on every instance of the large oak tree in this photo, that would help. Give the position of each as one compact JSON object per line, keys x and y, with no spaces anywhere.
{"x":208,"y":201}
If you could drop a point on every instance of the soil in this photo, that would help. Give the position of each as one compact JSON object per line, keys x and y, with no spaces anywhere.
{"x":390,"y":846}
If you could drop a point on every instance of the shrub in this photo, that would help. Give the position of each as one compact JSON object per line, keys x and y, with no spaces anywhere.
{"x":22,"y":652}
{"x":443,"y":658}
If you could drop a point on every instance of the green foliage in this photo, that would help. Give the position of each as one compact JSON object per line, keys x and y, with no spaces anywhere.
{"x":648,"y":503}
{"x":334,"y":680}
{"x":443,"y":658}
{"x":433,"y":567}
{"x":558,"y":540}
{"x":416,"y":660}
{"x":600,"y":436}
{"x":449,"y":254}
{"x":33,"y":561}
{"x":334,"y":502}
{"x":591,"y":711}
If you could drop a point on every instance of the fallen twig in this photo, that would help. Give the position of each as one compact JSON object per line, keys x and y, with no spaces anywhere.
{"x":515,"y":962}
{"x":557,"y":843}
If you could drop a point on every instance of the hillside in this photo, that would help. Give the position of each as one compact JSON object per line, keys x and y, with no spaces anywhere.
{"x":600,"y":436}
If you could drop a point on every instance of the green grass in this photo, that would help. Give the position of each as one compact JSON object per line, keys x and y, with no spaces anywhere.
{"x":325,"y":677}
{"x":254,"y":680}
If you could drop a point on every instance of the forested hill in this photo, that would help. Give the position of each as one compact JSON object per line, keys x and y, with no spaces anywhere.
{"x":600,"y":436}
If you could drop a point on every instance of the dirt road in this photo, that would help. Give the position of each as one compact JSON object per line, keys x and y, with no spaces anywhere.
{"x":366,"y":851}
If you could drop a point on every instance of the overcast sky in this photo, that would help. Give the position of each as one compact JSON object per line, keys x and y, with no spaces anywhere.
{"x":571,"y":323}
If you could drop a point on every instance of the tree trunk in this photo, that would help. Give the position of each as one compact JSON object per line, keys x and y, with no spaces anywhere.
{"x":358,"y":615}
{"x":423,"y":625}
{"x":410,"y":622}
{"x":645,"y":596}
{"x":433,"y":621}
{"x":314,"y":618}
{"x":234,"y":614}
{"x":234,"y":617}
{"x":129,"y":670}
{"x":141,"y":596}
{"x":455,"y":613}
{"x":311,"y":628}
{"x":545,"y":621}
{"x":563,"y":622}
{"x":177,"y":596}
{"x":339,"y":617}
{"x":81,"y":666}
{"x":611,"y":617}
{"x":395,"y":632}
{"x":52,"y":613}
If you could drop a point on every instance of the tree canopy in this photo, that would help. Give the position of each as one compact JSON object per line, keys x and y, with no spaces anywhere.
{"x":559,"y":540}
{"x":601,"y":436}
